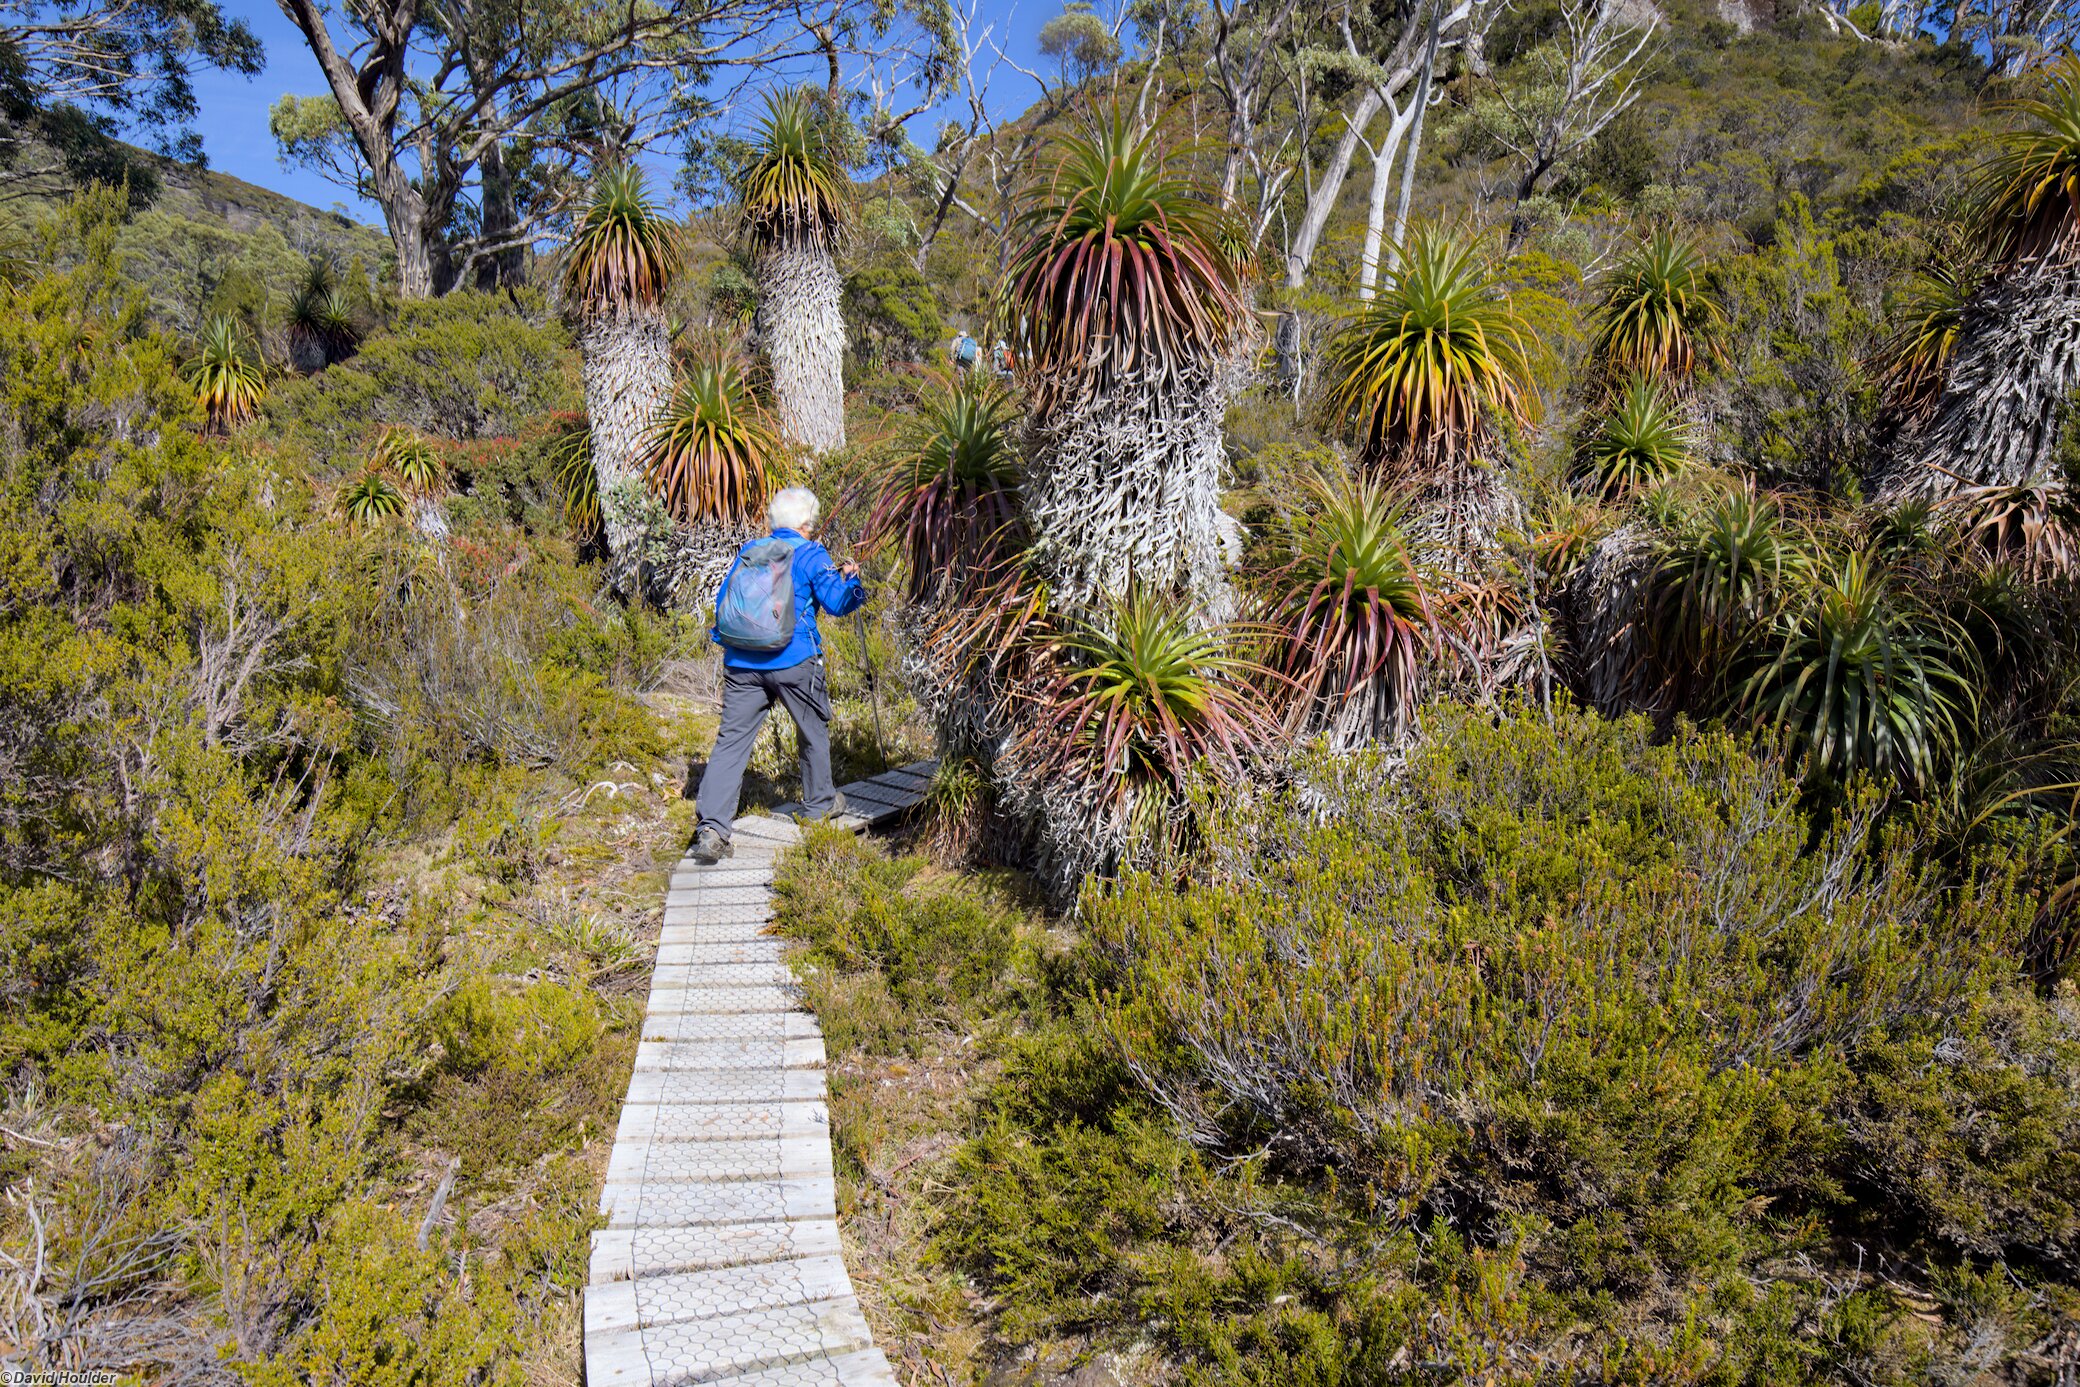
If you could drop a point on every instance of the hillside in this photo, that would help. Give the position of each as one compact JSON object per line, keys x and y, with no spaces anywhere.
{"x":1520,"y":836}
{"x":204,"y":243}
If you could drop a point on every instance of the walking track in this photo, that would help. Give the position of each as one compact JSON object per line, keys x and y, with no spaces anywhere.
{"x":720,"y":1261}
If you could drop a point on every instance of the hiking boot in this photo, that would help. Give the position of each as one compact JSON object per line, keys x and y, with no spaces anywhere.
{"x":838,"y":807}
{"x":709,"y":847}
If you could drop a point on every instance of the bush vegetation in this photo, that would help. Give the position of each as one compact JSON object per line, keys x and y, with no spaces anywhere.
{"x":299,"y":897}
{"x":1564,"y":1052}
{"x":1532,"y":856}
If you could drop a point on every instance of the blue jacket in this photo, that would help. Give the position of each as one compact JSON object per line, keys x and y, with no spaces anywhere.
{"x":817,"y":584}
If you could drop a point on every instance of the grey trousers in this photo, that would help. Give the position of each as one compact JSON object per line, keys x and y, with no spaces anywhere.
{"x":747,"y":694}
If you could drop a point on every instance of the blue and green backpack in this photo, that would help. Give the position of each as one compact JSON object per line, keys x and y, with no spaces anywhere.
{"x":755,"y":610}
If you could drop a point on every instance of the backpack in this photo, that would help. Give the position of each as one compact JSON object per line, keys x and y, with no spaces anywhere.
{"x":964,"y":350}
{"x":755,"y":610}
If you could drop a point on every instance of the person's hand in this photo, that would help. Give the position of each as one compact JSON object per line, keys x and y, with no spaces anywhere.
{"x":848,"y":569}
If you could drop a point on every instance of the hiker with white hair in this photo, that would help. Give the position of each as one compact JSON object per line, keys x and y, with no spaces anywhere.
{"x":772,"y":652}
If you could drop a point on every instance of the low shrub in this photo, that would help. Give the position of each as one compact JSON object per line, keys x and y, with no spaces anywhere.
{"x":462,"y":367}
{"x":888,"y":953}
{"x":1556,"y":1052}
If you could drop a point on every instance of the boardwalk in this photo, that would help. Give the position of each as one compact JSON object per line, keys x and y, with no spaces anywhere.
{"x":720,"y":1261}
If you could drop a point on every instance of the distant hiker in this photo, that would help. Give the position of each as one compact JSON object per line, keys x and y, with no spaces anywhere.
{"x":765,"y":622}
{"x":1002,"y":354}
{"x":965,"y":351}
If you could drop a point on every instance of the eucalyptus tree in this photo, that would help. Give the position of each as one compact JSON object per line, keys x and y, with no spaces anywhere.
{"x":794,"y":205}
{"x":622,"y":260}
{"x":1131,"y":326}
{"x":1567,"y":91}
{"x":75,"y":75}
{"x":429,"y":101}
{"x":1381,"y":62}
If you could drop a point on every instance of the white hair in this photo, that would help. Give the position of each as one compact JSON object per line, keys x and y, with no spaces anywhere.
{"x":794,"y":508}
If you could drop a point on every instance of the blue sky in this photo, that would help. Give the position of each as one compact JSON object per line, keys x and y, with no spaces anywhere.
{"x":233,"y":122}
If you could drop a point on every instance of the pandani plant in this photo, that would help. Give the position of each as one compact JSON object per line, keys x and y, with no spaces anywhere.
{"x":1713,"y":582}
{"x":323,"y":327}
{"x":1351,"y":618}
{"x":1125,"y":303}
{"x":709,"y":457}
{"x":421,"y":476}
{"x":372,"y":499}
{"x":622,"y":260}
{"x":227,"y":382}
{"x":576,"y":481}
{"x":1427,"y":376}
{"x":1860,"y":676}
{"x":1928,"y":312}
{"x":708,"y":454}
{"x":1995,"y":416}
{"x":2032,"y":529}
{"x":1657,"y":317}
{"x":1644,"y":438}
{"x":1137,"y":701}
{"x":947,"y":499}
{"x":794,"y":204}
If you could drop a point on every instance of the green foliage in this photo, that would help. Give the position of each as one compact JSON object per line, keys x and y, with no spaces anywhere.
{"x":1050,"y":1212}
{"x":1973,"y":1136}
{"x":1929,"y":311}
{"x":892,"y":312}
{"x":227,"y":383}
{"x":1119,"y":266}
{"x":1083,"y":44}
{"x":577,"y":480}
{"x":240,"y":1011}
{"x":1716,"y":581}
{"x":893,"y":954}
{"x":1798,"y":401}
{"x":794,"y":191}
{"x":708,"y":453}
{"x":1525,"y":988}
{"x":518,"y":1071}
{"x":1429,"y":369}
{"x":624,"y":253}
{"x":463,"y":367}
{"x":414,"y":459}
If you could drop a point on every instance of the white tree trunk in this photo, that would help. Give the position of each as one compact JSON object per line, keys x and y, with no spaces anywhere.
{"x":628,"y":377}
{"x":1376,"y":206}
{"x":1125,"y":488}
{"x":803,"y":334}
{"x":1321,"y":199}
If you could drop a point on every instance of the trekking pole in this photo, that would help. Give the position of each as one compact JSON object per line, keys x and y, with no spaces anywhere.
{"x":866,"y":658}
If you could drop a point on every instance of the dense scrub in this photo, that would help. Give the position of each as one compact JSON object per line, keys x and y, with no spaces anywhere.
{"x":303,"y":893}
{"x":1553,"y":1054}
